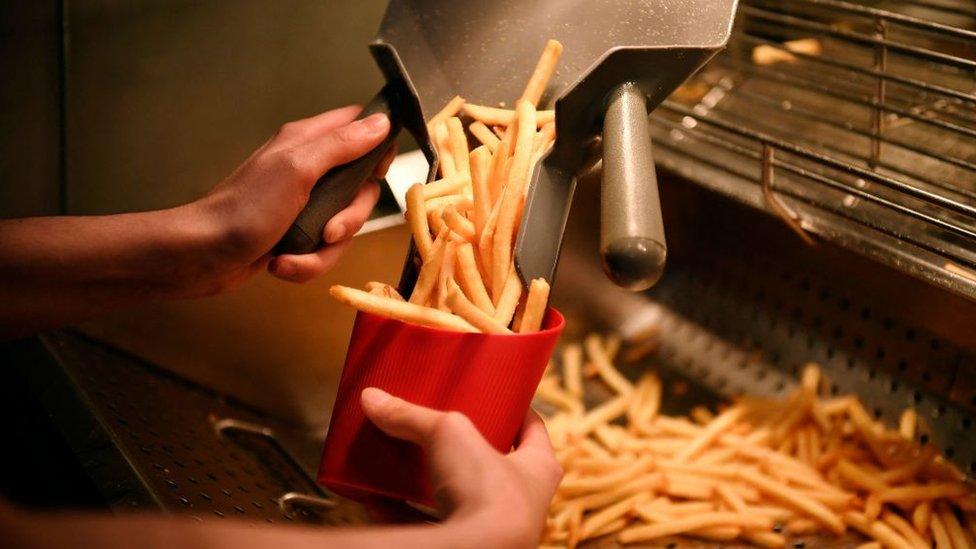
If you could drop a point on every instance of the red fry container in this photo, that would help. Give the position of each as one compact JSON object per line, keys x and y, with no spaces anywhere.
{"x":489,"y":378}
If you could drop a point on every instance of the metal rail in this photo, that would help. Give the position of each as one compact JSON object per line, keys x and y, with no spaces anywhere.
{"x":840,"y":125}
{"x":887,"y":15}
{"x":883,"y":180}
{"x":920,"y":85}
{"x":763,"y":140}
{"x":851,"y":36}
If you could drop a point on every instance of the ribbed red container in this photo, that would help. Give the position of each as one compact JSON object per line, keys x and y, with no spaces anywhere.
{"x":489,"y":378}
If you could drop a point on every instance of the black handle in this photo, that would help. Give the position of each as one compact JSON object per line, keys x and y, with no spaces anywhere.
{"x":336,"y":189}
{"x":632,"y":230}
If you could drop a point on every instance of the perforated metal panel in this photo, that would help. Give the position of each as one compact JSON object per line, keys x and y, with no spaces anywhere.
{"x":191,"y":450}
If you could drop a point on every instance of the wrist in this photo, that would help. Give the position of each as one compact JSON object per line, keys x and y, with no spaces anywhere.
{"x":188,"y":252}
{"x":490,"y":530}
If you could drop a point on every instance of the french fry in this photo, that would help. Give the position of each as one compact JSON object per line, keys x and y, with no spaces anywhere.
{"x":795,"y":498}
{"x":766,"y":539}
{"x":451,"y":109}
{"x":610,"y":375}
{"x":460,"y":306}
{"x":911,"y":468}
{"x":442,"y":143}
{"x":958,"y":536}
{"x":461,"y":225}
{"x":430,"y":272}
{"x":908,"y":423}
{"x":557,"y":397}
{"x":575,"y":487}
{"x":544,"y":69}
{"x":446,"y":275}
{"x":597,"y":500}
{"x":802,"y":526}
{"x":542,"y":140}
{"x":493,"y":116}
{"x":922,"y":516}
{"x":859,"y":477}
{"x":484,"y":135}
{"x":462,"y":203}
{"x":607,"y":515}
{"x":939,"y":532}
{"x":480,"y":191}
{"x":513,"y":194}
{"x":417,"y":218}
{"x":384,"y":290}
{"x":470,"y":280}
{"x":572,"y":363}
{"x":400,"y":310}
{"x":608,"y":411}
{"x":446,"y":186}
{"x":876,"y":529}
{"x":458,"y":145}
{"x":710,"y":433}
{"x":911,"y":493}
{"x":535,"y":307}
{"x":509,"y":298}
{"x":900,"y":525}
{"x":681,"y":525}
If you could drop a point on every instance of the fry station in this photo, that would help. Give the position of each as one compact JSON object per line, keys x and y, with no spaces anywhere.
{"x":708,"y":266}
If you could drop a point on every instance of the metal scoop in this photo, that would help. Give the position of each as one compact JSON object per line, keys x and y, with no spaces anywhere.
{"x":621,"y":58}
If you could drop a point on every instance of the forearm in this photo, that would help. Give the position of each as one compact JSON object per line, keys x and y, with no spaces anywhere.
{"x":22,"y":530}
{"x":57,"y":270}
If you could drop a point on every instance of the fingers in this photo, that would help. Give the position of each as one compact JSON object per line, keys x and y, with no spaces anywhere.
{"x":303,"y":130}
{"x":534,"y":450}
{"x":305,"y":267}
{"x":346,"y":143}
{"x":348,"y":222}
{"x":399,"y":418}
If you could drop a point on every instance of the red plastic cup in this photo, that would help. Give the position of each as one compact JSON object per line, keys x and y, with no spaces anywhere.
{"x":489,"y":378}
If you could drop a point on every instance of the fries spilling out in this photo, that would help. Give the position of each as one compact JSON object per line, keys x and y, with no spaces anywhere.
{"x":465,"y":223}
{"x":759,"y":471}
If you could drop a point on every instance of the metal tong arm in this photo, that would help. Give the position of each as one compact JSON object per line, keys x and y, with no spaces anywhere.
{"x":336,"y":189}
{"x":632,"y":242}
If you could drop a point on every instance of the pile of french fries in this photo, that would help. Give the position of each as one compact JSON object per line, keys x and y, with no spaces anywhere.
{"x":759,"y":471}
{"x":464,"y":225}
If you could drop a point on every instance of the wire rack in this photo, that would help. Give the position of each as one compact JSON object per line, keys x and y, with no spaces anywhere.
{"x":869,"y":140}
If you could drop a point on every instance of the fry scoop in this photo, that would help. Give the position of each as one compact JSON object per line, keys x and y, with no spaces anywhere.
{"x":621,"y":59}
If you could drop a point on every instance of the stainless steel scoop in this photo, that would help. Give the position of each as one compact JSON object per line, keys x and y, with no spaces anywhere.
{"x":621,"y":58}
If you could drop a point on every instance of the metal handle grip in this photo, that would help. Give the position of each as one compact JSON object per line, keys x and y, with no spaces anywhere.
{"x":632,"y":241}
{"x":336,"y":189}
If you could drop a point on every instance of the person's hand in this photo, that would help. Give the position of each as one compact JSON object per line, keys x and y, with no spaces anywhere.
{"x":247,"y":213}
{"x":500,"y":498}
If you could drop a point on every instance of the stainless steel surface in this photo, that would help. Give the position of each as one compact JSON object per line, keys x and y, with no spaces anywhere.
{"x":872,"y":140}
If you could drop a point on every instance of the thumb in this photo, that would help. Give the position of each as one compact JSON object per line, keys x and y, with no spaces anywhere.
{"x":399,"y":418}
{"x":349,"y":142}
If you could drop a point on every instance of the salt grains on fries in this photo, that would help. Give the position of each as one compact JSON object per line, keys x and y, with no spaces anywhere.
{"x":732,"y":476}
{"x":464,"y":224}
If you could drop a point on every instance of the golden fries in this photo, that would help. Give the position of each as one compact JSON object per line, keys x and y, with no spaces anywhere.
{"x":474,"y":210}
{"x":728,"y":477}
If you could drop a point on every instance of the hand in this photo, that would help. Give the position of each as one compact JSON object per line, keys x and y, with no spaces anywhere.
{"x":500,"y":498}
{"x":248,"y":212}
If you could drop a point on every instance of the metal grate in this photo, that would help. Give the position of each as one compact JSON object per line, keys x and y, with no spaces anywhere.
{"x":870,"y":143}
{"x":188,"y":449}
